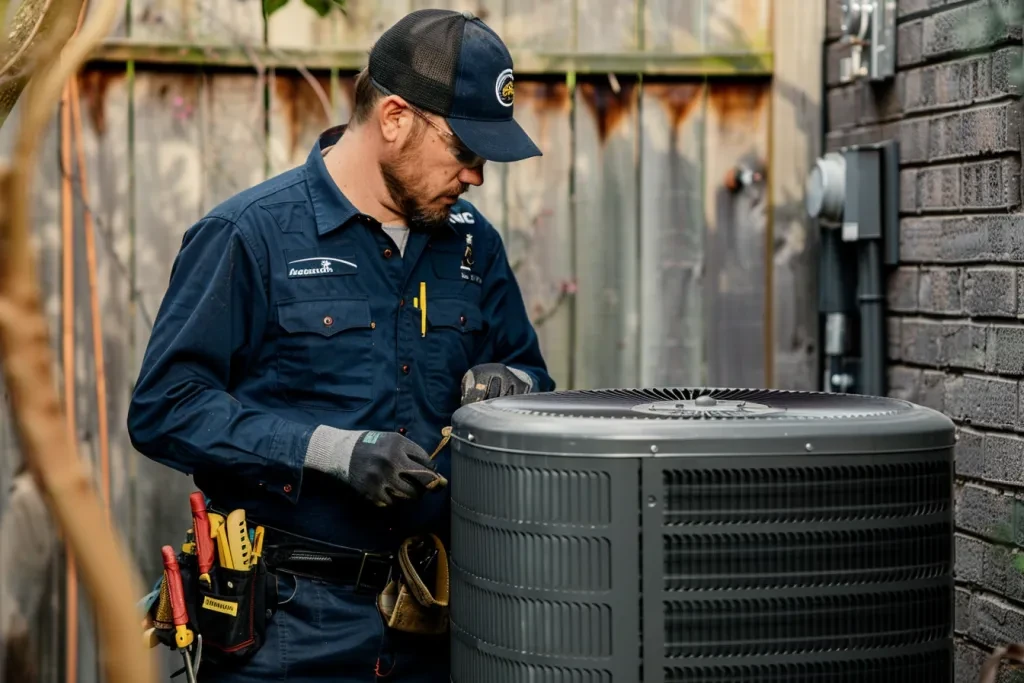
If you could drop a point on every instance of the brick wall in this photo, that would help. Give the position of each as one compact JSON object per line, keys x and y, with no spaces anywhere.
{"x":956,"y":322}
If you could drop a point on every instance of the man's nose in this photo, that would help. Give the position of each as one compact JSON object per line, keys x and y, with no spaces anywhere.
{"x":472,"y":176}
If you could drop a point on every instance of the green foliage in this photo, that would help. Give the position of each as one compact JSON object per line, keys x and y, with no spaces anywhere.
{"x":321,"y":7}
{"x":988,"y":22}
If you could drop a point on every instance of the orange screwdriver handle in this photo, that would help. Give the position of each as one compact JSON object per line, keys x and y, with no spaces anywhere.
{"x":204,"y":542}
{"x":176,"y":590}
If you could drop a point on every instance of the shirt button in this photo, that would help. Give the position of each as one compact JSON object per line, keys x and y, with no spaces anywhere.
{"x":405,"y":369}
{"x":287,"y":488}
{"x":373,"y":325}
{"x":462,"y":319}
{"x":401,"y":302}
{"x":328,"y":320}
{"x":402,"y":430}
{"x":387,"y":253}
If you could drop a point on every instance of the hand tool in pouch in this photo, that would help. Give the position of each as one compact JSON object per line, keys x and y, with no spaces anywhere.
{"x":238,"y":540}
{"x":417,"y":600}
{"x":182,"y":633}
{"x":203,"y":538}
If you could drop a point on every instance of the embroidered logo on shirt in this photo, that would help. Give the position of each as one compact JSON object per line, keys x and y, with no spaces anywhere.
{"x":468,"y":261}
{"x":317,"y":266}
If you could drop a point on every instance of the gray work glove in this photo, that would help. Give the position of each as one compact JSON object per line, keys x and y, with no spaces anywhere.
{"x":381,"y":466}
{"x":491,"y":380}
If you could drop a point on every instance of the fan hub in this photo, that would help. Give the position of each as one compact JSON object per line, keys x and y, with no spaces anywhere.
{"x":706,"y":406}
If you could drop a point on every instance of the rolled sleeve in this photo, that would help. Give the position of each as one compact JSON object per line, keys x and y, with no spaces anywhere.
{"x":205,"y":337}
{"x":511,"y":338}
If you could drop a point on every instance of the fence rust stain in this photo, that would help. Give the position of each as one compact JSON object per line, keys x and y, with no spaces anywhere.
{"x":609,"y":108}
{"x":680,"y":101}
{"x":544,"y":96}
{"x":742,"y":101}
{"x":299,"y":105}
{"x":93,"y":86}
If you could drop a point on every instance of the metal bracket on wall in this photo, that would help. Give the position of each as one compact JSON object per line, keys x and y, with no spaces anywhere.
{"x":869,"y":28}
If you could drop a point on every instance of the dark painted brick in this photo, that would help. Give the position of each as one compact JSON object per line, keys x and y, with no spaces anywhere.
{"x":1001,"y":575}
{"x":902,"y":289}
{"x":970,"y":453}
{"x":961,"y":83}
{"x":962,"y":610}
{"x":995,"y":621}
{"x":964,"y":346}
{"x":920,"y":341}
{"x":993,"y":184}
{"x":970,"y":559}
{"x":938,"y":188}
{"x":909,"y":39}
{"x":962,"y":238}
{"x":904,"y":382}
{"x":990,"y":291}
{"x":834,"y":53}
{"x":894,"y":331}
{"x":1004,"y":459}
{"x":833,"y":18}
{"x":985,"y":511}
{"x":964,"y":28}
{"x":932,"y":393}
{"x":1006,"y":349}
{"x":879,"y":101}
{"x":1020,"y":288}
{"x":914,"y":140}
{"x":939,"y":290}
{"x":908,"y":191}
{"x":982,"y":401}
{"x":842,"y":108}
{"x":991,"y":129}
{"x":967,"y":661}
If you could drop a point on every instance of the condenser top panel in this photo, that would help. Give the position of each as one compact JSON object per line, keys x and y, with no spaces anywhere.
{"x":700,"y":421}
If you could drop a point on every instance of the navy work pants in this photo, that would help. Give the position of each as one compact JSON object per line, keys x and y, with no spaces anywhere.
{"x":328,"y":633}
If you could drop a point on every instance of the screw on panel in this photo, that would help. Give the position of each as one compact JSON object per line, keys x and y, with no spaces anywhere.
{"x":808,"y":447}
{"x":470,"y":437}
{"x":654,"y":449}
{"x":651,"y":501}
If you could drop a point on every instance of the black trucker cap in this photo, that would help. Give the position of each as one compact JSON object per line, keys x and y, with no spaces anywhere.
{"x":452,"y":64}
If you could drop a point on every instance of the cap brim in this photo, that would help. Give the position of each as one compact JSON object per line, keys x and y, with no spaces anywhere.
{"x":495,"y":140}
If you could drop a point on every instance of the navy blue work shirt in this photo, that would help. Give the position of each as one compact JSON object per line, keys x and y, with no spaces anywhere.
{"x":286,"y":309}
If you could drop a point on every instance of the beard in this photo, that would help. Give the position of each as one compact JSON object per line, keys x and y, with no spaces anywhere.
{"x":400,"y":180}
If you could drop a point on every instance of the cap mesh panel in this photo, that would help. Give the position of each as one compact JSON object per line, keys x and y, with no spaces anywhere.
{"x":418,"y":58}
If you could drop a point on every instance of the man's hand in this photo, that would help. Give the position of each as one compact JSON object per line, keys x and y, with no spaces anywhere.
{"x":381,"y":466}
{"x":491,"y":380}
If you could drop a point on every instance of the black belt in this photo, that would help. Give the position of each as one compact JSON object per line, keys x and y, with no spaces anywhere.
{"x":367,"y":571}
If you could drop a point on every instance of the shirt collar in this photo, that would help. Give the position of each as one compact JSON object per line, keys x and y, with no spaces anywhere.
{"x":330,"y":205}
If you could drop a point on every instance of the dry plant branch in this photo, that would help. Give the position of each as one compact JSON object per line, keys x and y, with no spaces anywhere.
{"x":50,"y":453}
{"x":1013,"y":653}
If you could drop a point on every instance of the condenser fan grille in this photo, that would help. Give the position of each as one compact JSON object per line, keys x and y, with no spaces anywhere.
{"x":696,"y":404}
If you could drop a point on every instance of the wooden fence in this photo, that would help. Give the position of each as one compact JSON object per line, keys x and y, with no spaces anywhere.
{"x":641,"y":260}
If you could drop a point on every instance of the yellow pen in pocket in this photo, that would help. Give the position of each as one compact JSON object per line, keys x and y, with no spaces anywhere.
{"x":423,"y":309}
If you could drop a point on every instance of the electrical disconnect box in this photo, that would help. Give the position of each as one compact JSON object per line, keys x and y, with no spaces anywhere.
{"x":869,"y":29}
{"x":854,"y":196}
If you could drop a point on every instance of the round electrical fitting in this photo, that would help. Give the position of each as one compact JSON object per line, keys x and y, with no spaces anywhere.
{"x":825,"y":191}
{"x":857,"y":18}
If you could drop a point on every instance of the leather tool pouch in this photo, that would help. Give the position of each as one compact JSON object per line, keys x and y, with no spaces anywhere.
{"x":416,"y":600}
{"x":231,"y":614}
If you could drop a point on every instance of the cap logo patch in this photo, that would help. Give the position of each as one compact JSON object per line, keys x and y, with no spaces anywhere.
{"x":505,"y":88}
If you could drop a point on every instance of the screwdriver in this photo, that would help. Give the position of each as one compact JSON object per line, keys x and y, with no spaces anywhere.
{"x":203,"y":539}
{"x":179,"y":614}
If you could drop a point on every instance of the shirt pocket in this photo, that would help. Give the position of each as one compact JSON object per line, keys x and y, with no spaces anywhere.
{"x":454,"y":328}
{"x":324,"y":358}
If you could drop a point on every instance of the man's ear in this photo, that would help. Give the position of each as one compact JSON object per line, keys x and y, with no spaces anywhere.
{"x":394,"y":124}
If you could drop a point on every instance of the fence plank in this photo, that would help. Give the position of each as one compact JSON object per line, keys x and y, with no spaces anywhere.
{"x":297,"y":117}
{"x":297,"y":25}
{"x":606,"y":315}
{"x":539,"y":25}
{"x":208,"y":22}
{"x":738,"y":26}
{"x":490,"y":11}
{"x":673,"y":26}
{"x":737,"y":134}
{"x":796,"y":131}
{"x":672,"y":234}
{"x":168,"y":199}
{"x":364,"y":21}
{"x":539,"y":241}
{"x":235,"y":141}
{"x":606,"y":26}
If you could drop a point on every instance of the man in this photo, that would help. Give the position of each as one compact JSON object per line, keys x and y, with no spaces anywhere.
{"x":320,"y":329}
